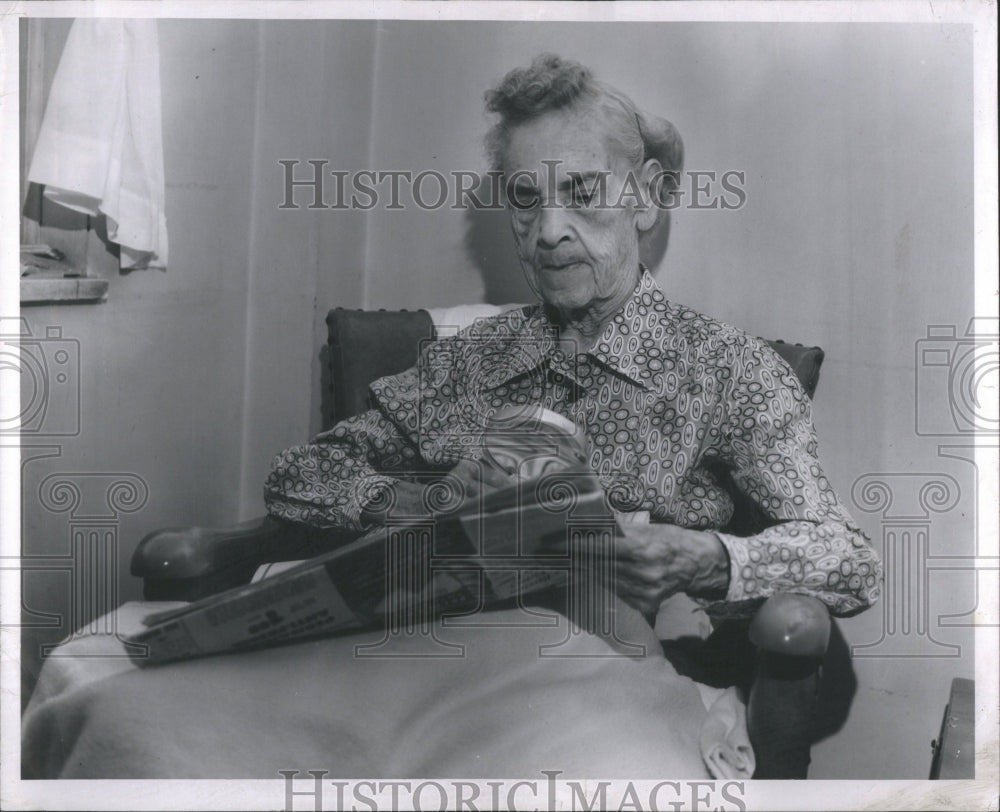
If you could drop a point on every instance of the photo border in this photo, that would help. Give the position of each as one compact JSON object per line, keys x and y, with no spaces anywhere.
{"x":270,"y":794}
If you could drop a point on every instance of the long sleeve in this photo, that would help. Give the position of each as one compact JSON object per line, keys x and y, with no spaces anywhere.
{"x":327,"y":483}
{"x":814,"y":547}
{"x":420,"y":424}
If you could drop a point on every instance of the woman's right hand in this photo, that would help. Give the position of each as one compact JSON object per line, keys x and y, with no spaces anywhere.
{"x":469,"y":479}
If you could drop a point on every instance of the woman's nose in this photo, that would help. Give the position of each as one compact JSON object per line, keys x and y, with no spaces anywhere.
{"x":553,"y":225}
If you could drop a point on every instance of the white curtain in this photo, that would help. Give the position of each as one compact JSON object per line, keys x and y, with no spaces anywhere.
{"x":100,"y":144}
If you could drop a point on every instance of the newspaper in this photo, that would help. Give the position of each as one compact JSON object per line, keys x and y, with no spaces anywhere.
{"x":491,"y":549}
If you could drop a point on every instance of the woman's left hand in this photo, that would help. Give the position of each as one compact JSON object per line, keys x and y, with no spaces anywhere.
{"x":655,"y":561}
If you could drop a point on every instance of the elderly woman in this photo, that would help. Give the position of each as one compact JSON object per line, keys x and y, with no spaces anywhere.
{"x":672,"y":403}
{"x":670,"y":400}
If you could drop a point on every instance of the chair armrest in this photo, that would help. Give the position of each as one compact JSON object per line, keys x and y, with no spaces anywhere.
{"x":192,"y":562}
{"x":792,"y":625}
{"x":792,"y":634}
{"x":190,"y":552}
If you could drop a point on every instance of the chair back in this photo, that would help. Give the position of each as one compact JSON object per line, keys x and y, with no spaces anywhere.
{"x":365,"y":345}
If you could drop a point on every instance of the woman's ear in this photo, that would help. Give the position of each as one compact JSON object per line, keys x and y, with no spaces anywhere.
{"x":650,"y":178}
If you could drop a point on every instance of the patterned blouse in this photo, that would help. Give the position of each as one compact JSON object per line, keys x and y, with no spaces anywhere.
{"x":667,"y":397}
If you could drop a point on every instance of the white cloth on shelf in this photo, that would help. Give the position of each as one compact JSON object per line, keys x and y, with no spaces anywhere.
{"x":100,"y":145}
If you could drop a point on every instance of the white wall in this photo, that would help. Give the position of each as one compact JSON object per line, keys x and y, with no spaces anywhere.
{"x":856,"y":235}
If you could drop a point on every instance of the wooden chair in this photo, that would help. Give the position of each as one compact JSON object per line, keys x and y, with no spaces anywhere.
{"x":776,"y":657}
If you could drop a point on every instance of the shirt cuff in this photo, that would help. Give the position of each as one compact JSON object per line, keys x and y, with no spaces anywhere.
{"x":739,"y":602}
{"x":742,"y":585}
{"x":371,"y":493}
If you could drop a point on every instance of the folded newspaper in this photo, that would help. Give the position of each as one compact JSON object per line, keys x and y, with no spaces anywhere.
{"x":485,"y":551}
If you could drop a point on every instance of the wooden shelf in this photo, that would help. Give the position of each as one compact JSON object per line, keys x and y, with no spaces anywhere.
{"x":74,"y":290}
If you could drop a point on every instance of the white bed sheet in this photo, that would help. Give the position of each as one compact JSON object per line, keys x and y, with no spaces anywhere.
{"x":500,"y":709}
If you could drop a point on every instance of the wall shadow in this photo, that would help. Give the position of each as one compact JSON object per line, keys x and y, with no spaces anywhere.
{"x":653,"y":245}
{"x":325,"y":388}
{"x":837,"y":687}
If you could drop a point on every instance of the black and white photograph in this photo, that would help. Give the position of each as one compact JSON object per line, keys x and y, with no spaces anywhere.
{"x":499,"y":406}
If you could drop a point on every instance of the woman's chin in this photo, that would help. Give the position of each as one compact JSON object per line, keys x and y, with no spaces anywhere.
{"x":567,"y":288}
{"x":566,"y":301}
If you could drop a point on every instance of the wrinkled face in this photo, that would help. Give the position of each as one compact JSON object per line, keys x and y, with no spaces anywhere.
{"x":578,"y":244}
